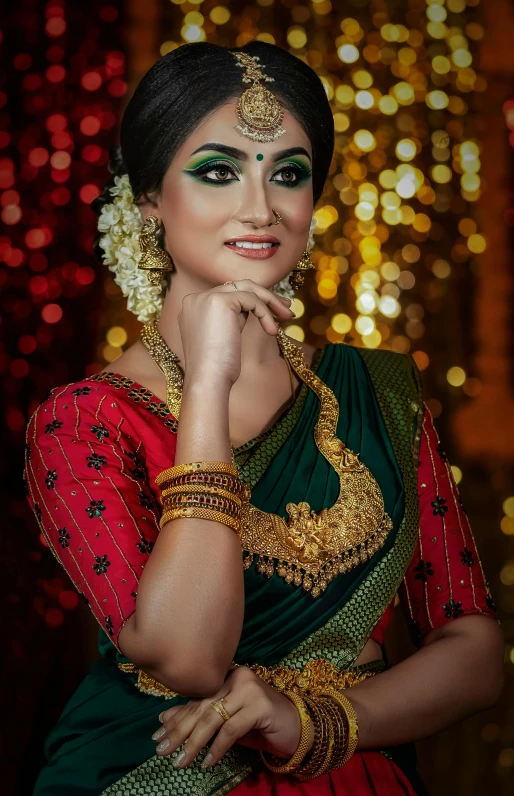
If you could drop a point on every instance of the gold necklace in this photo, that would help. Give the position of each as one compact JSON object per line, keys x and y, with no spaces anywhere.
{"x":310,"y":548}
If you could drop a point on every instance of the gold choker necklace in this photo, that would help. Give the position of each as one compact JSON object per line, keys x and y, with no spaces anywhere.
{"x":309,"y":548}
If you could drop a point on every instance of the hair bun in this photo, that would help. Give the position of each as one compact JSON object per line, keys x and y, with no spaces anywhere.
{"x":116,"y":165}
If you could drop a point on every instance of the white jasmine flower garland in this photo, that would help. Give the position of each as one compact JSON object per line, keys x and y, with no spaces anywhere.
{"x":121,"y":222}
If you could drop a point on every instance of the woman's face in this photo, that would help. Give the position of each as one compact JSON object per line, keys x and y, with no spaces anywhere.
{"x":221,"y":185}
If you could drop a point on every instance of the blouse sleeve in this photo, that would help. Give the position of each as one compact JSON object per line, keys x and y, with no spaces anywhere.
{"x":88,"y":488}
{"x":445,"y":579}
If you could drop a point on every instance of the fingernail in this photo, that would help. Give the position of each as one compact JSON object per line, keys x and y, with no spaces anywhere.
{"x":163,"y":745}
{"x":158,"y":734}
{"x":161,"y":719}
{"x":207,"y":760}
{"x":180,"y":758}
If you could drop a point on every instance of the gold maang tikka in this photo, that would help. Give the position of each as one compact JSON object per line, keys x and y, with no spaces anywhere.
{"x":154,"y":259}
{"x":260,"y":113}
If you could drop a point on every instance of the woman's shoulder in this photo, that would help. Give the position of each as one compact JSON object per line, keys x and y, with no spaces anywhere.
{"x":103,"y":402}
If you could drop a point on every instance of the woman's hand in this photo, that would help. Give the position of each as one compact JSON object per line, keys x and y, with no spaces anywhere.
{"x":211,"y":323}
{"x":261,"y":718}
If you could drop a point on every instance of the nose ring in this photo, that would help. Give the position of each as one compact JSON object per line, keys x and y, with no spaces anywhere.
{"x":277,"y":216}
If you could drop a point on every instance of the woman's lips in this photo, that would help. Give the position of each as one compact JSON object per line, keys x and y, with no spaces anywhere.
{"x":255,"y":254}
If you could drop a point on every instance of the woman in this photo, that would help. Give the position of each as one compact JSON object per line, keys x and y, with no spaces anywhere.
{"x":340,"y":494}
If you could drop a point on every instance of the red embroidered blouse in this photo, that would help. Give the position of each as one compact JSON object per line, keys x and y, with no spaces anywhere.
{"x":90,"y":482}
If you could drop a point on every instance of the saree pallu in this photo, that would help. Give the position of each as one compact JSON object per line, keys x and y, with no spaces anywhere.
{"x":102,"y":742}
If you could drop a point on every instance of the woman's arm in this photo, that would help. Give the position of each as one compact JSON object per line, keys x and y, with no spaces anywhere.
{"x":190,"y":601}
{"x":457,"y":672}
{"x":458,"y":669}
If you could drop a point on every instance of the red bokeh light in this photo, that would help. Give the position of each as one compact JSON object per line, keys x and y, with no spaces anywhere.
{"x":14,"y":258}
{"x":56,"y":123}
{"x":38,"y":285}
{"x":27,"y":344}
{"x":90,"y":125}
{"x":61,"y":140}
{"x":60,"y":160}
{"x":19,"y":368}
{"x":60,"y":196}
{"x":107,"y":120}
{"x":38,"y":237}
{"x":15,"y":419}
{"x":11,"y":214}
{"x":88,"y":193}
{"x":60,"y":175}
{"x":55,"y":73}
{"x":68,"y":599}
{"x":51,"y":313}
{"x":54,"y":617}
{"x":117,"y":87}
{"x":31,"y":82}
{"x":55,"y":26}
{"x":85,"y":275}
{"x":38,"y":156}
{"x":91,"y":81}
{"x":91,"y":153}
{"x":6,"y":173}
{"x":5,"y":139}
{"x":22,"y":61}
{"x":10,"y":198}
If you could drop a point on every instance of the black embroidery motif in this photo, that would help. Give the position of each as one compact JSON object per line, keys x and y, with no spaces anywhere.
{"x":423,"y":569}
{"x":101,"y":564}
{"x":108,"y":625}
{"x":51,"y":478}
{"x":138,"y":471}
{"x":63,"y":537}
{"x":145,"y":546}
{"x":96,"y":461}
{"x":453,"y":609}
{"x":52,"y":427}
{"x":95,"y":508}
{"x":100,"y":432}
{"x":439,"y":505}
{"x":467,"y":557}
{"x":81,"y":391}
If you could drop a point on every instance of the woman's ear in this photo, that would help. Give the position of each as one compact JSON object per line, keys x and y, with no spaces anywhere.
{"x":148,"y":205}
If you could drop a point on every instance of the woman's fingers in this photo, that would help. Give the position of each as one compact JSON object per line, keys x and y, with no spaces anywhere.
{"x":231,"y":731}
{"x":177,"y":727}
{"x":263,"y":304}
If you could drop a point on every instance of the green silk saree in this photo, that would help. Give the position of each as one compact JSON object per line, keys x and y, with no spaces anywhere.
{"x":102,"y":742}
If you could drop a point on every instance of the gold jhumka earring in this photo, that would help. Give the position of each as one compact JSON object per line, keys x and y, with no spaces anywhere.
{"x":155,"y":261}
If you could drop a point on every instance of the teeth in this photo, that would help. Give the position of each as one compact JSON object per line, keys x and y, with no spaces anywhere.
{"x":244,"y":244}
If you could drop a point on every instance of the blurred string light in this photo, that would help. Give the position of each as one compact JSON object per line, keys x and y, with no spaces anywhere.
{"x":59,"y":110}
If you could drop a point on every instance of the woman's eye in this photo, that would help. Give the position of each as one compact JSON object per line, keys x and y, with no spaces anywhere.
{"x":292,"y":175}
{"x":221,"y":172}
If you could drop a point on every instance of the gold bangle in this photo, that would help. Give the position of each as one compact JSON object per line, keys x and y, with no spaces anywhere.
{"x":303,"y":744}
{"x":200,"y":489}
{"x":317,"y":757}
{"x":192,"y":467}
{"x":203,"y":501}
{"x":351,"y":721}
{"x":207,"y":479}
{"x":341,"y":736}
{"x":202,"y":514}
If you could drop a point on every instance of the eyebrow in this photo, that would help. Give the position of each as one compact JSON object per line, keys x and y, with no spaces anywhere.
{"x":238,"y":154}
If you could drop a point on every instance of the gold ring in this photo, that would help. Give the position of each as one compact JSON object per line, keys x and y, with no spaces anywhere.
{"x":231,"y":283}
{"x":218,"y":707}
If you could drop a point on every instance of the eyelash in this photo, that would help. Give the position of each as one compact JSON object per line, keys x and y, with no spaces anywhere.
{"x":302,"y":172}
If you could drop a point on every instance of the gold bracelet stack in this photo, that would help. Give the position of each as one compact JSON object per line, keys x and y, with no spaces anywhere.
{"x":319,"y":689}
{"x":206,"y":490}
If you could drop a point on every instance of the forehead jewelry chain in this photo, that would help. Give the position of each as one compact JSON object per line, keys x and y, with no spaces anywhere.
{"x":260,"y":113}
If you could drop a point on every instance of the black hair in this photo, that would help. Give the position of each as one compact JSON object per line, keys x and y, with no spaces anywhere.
{"x":183,"y":87}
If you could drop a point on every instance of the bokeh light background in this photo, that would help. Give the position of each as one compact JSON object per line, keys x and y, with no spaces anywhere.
{"x":413,"y":254}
